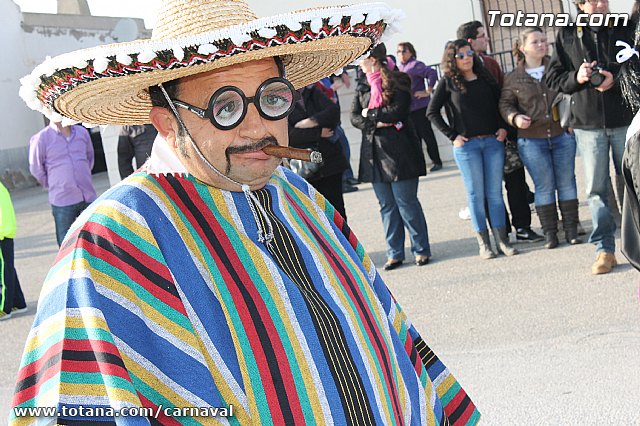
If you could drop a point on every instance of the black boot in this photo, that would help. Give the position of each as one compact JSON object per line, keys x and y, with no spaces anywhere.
{"x":548,"y":215}
{"x":502,"y":242}
{"x":484,"y":242}
{"x":569,"y":209}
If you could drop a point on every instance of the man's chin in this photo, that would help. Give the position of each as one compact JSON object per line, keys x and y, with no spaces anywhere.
{"x":255,"y":175}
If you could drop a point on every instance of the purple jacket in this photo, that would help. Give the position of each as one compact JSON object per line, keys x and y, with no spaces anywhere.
{"x":418,"y":72}
{"x":62,"y":165}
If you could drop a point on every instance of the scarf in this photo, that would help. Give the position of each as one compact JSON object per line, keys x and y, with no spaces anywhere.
{"x":375,"y":81}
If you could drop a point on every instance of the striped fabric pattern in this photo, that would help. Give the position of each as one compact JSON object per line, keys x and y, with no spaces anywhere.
{"x":162,"y":296}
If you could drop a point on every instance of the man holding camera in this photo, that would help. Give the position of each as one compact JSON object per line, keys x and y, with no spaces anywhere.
{"x":584,"y":65}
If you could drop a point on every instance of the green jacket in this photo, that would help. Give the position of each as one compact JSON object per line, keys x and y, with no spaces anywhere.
{"x":7,"y":215}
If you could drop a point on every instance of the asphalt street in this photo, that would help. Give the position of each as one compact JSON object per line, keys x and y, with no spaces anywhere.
{"x":535,"y":339}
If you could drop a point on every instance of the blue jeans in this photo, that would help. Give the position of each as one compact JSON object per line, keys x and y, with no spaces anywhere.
{"x":594,"y":146}
{"x":64,"y":217}
{"x":400,"y":208}
{"x":481,"y":161}
{"x":551,"y":164}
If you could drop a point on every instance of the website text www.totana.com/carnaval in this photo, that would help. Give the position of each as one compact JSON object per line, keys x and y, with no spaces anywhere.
{"x":522,"y":19}
{"x":156,"y":412}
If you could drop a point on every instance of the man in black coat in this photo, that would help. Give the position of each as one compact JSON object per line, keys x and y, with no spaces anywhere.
{"x":311,"y":125}
{"x":584,"y":65}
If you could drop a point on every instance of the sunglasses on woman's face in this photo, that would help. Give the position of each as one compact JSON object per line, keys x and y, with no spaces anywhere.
{"x":274,"y":100}
{"x":461,"y":55}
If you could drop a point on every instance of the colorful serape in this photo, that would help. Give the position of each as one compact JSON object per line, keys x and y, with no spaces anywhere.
{"x":162,"y":296}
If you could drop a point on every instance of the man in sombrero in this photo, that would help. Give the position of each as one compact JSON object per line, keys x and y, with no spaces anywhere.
{"x":213,"y":277}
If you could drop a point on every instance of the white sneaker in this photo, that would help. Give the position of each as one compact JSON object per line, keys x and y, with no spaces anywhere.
{"x":4,"y":315}
{"x":464,"y":214}
{"x":19,"y":310}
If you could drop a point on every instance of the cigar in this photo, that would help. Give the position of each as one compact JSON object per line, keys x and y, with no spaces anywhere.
{"x":293,"y":153}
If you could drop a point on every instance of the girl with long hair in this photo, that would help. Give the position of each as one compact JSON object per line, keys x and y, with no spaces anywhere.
{"x":390,"y":155}
{"x":469,"y":95}
{"x":547,"y":151}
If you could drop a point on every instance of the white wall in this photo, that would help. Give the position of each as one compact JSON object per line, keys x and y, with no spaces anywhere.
{"x":25,"y":41}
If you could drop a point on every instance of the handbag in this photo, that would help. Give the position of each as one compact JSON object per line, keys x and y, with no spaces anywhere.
{"x":512,"y":160}
{"x":561,"y":109}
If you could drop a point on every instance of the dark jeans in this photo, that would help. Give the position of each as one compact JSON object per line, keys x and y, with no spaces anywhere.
{"x":400,"y":208}
{"x":331,"y":188}
{"x":10,"y":292}
{"x":65,"y":216}
{"x":425,"y":132}
{"x":518,"y":198}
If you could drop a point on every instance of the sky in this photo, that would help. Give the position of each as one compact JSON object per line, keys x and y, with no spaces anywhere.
{"x":133,"y":9}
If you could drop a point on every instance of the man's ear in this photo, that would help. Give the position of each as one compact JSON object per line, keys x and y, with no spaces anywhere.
{"x":166,"y":124}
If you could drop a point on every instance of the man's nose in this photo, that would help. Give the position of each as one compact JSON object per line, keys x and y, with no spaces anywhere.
{"x":253,"y":126}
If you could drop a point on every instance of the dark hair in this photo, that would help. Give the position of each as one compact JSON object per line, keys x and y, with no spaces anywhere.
{"x":469,"y":30}
{"x":521,"y":40}
{"x":408,"y":46}
{"x":157,"y":97}
{"x":379,"y":52}
{"x":392,"y":81}
{"x":630,"y":76}
{"x":450,"y":68}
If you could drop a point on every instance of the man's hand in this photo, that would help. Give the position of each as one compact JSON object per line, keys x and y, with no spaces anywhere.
{"x":459,"y":141}
{"x":326,"y":133}
{"x":419,"y":94}
{"x":607,"y":83}
{"x":522,"y":121}
{"x":501,"y":135}
{"x":584,"y":72}
{"x":307,"y":123}
{"x":380,"y":125}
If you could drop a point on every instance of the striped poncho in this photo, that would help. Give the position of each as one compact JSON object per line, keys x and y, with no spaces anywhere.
{"x":162,"y":297}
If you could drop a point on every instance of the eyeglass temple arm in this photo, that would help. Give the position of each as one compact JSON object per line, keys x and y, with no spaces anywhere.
{"x":198,"y":111}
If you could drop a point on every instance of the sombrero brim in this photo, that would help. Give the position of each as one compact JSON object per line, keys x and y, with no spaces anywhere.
{"x":108,"y":84}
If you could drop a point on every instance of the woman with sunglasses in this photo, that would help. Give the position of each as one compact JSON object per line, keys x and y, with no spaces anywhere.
{"x":391,"y":155}
{"x":547,"y":151}
{"x":311,"y":125}
{"x":470,"y":97}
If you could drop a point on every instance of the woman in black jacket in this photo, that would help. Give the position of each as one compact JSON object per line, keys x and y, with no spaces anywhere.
{"x":391,"y":156}
{"x":470,"y":97}
{"x":311,"y":125}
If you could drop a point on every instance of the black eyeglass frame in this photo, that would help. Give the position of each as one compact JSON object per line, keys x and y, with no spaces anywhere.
{"x":255,"y":100}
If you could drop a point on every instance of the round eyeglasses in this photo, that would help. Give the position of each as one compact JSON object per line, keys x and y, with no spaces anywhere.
{"x":274,"y":100}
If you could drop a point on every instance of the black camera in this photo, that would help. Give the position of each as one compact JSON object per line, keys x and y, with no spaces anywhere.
{"x":597,"y":78}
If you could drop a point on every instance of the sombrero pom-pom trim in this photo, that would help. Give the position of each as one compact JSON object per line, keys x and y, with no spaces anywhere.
{"x":60,"y":75}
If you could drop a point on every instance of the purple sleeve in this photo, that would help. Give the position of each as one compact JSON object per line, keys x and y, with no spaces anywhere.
{"x":37,"y":160}
{"x":84,"y":134}
{"x":426,"y":72}
{"x":431,"y":76}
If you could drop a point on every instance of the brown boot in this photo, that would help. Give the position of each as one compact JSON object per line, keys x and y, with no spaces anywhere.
{"x":604,"y":263}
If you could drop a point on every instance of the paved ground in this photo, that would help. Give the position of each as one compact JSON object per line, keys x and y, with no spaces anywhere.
{"x":535,"y":339}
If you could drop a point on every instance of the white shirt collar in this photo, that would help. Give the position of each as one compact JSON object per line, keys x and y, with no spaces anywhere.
{"x":163,"y":160}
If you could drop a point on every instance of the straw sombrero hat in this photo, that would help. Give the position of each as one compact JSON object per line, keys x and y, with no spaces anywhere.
{"x":108,"y":84}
